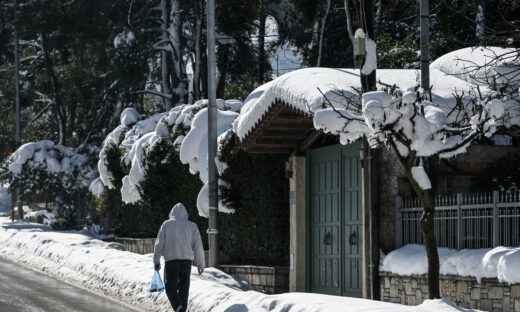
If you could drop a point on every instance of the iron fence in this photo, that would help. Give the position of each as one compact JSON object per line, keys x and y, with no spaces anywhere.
{"x":481,"y":220}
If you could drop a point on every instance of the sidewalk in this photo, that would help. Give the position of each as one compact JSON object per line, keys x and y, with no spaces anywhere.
{"x":106,"y":268}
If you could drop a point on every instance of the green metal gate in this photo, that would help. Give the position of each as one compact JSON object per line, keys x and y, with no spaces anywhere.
{"x":335,"y":196}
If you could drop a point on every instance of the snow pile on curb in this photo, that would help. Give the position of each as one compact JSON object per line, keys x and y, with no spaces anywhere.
{"x":500,"y":262}
{"x":47,"y":218}
{"x":108,"y":269}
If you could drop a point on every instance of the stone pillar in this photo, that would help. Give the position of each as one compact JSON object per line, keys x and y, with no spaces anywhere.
{"x":298,"y":244}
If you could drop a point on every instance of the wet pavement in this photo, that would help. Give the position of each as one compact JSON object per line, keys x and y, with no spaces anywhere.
{"x":22,"y":289}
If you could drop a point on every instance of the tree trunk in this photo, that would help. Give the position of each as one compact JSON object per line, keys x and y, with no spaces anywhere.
{"x":204,"y":75}
{"x":55,"y":87}
{"x":71,"y":121}
{"x":221,"y":76}
{"x":260,"y":65}
{"x":178,"y":72}
{"x":427,"y":226}
{"x":199,"y":11}
{"x":349,"y":29}
{"x":430,"y":244}
{"x":165,"y":73}
{"x":322,"y":33}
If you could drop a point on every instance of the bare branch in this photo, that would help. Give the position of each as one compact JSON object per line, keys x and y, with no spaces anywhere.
{"x":168,"y":96}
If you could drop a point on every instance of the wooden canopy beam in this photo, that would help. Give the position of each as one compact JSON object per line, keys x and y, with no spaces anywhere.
{"x":283,"y":129}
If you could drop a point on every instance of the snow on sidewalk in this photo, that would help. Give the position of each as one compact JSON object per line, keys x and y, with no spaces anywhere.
{"x":107,"y":268}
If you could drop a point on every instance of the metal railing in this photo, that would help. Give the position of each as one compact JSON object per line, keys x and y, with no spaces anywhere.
{"x":481,"y":220}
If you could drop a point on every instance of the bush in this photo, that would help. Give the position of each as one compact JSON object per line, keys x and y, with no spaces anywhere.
{"x":167,"y":181}
{"x":256,"y":187}
{"x":397,"y":53}
{"x":44,"y":170}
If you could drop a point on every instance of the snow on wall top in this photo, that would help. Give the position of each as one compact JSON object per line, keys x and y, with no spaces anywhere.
{"x":481,"y":65}
{"x":500,"y":262}
{"x":299,"y":89}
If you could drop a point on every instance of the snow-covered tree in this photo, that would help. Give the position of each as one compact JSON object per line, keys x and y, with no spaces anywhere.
{"x":416,"y":129}
{"x":51,"y":170}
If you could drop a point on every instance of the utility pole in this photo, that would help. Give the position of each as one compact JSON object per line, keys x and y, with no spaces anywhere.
{"x":425,"y":45}
{"x":212,"y":139}
{"x":17,"y":101}
{"x":368,"y":82}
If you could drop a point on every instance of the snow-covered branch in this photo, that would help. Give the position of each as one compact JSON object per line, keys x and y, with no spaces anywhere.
{"x":413,"y":126}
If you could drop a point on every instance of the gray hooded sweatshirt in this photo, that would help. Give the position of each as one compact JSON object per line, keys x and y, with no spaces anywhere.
{"x":179,"y":239}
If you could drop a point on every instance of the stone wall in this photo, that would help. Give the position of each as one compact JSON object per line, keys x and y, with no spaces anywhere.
{"x":137,"y":245}
{"x":488,"y":295}
{"x":271,"y":280}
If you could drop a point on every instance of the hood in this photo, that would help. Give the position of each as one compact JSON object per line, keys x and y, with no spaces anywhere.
{"x":179,"y":212}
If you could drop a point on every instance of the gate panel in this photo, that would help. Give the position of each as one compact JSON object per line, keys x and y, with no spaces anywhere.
{"x":326,"y":223}
{"x":335,"y":212}
{"x":352,"y":221}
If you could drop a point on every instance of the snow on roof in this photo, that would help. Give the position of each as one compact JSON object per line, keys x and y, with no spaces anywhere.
{"x":481,"y":65}
{"x":301,"y":89}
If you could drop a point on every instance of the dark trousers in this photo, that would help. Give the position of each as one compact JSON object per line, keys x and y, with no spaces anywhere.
{"x":177,"y":283}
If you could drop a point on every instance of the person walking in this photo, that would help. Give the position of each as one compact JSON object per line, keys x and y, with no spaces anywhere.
{"x":180,"y":243}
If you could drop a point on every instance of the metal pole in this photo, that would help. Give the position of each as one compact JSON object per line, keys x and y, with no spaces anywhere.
{"x":370,"y":222}
{"x":212,"y":138}
{"x":425,"y":45}
{"x":368,"y":82}
{"x":17,"y":101}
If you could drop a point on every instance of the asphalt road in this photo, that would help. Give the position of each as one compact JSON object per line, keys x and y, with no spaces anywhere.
{"x":22,"y":289}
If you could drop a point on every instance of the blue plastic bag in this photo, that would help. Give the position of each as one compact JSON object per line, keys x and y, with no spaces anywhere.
{"x":156,"y":284}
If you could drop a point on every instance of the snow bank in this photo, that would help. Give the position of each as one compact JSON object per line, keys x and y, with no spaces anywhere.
{"x":108,"y":269}
{"x":47,"y":218}
{"x":481,"y":65}
{"x":500,"y":262}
